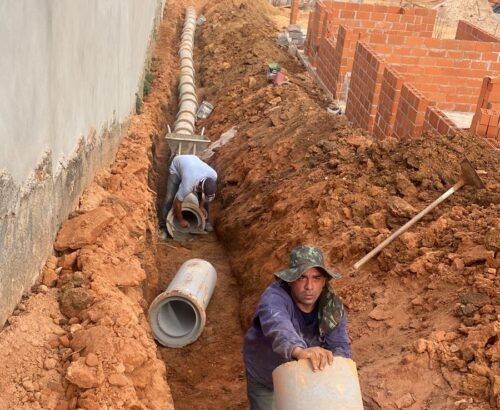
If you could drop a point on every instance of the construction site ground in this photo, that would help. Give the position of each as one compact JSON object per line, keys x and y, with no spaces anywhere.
{"x":423,"y":315}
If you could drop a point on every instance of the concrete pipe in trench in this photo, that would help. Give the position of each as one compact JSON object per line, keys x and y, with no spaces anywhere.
{"x":190,"y":212}
{"x":186,"y":117}
{"x":177,"y":316}
{"x":336,"y":387}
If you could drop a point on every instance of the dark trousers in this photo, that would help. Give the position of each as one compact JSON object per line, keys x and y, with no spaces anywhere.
{"x":260,"y":397}
{"x":172,"y":187}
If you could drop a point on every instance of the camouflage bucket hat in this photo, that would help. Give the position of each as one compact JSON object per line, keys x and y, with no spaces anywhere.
{"x":303,"y":258}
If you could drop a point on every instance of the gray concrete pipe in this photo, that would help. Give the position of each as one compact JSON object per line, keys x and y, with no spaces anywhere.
{"x":190,"y":212}
{"x":178,"y":315}
{"x":336,"y":387}
{"x":188,"y":103}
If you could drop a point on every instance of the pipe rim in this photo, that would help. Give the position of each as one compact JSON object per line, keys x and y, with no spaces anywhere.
{"x":159,"y":310}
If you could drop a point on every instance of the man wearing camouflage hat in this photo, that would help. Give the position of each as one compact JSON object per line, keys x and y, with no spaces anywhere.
{"x":298,"y":317}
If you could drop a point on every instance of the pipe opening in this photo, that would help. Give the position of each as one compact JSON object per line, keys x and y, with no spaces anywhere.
{"x":177,"y":317}
{"x":189,"y":216}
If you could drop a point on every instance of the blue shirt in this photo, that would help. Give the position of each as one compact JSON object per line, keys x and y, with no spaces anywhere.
{"x":278,"y":327}
{"x":190,"y":170}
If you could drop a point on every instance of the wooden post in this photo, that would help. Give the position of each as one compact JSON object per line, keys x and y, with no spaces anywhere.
{"x":295,"y":12}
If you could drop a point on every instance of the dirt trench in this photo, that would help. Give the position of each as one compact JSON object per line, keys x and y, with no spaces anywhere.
{"x":424,"y":316}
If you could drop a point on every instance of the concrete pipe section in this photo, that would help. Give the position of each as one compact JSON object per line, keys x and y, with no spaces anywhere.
{"x":190,"y":212}
{"x":186,"y":118}
{"x":297,"y":387}
{"x":183,"y":138}
{"x":177,"y":316}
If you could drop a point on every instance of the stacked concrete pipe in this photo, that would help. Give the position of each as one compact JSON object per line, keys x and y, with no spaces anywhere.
{"x":183,"y":140}
{"x":188,"y":103}
{"x":177,"y":316}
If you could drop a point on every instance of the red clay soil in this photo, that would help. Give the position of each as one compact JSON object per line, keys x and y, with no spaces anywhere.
{"x":424,"y":314}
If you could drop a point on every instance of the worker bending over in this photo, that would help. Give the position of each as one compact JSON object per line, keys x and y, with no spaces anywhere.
{"x":189,"y":174}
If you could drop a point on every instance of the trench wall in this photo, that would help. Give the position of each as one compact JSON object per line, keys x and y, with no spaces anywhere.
{"x":69,"y":74}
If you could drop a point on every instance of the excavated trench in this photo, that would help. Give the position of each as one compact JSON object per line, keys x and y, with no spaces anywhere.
{"x":295,"y":173}
{"x":423,"y":315}
{"x":285,"y":139}
{"x":208,"y":373}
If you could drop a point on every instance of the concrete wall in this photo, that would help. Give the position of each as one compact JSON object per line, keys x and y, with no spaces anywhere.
{"x":69,"y":72}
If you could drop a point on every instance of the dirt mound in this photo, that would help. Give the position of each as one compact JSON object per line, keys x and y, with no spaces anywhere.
{"x":297,"y":174}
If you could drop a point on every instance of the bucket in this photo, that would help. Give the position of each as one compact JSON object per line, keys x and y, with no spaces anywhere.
{"x":204,"y":110}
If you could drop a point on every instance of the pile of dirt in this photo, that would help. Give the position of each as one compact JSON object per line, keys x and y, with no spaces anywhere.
{"x":477,"y":12}
{"x":424,"y":313}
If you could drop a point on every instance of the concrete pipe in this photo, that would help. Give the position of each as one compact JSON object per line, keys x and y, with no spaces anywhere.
{"x":186,"y":79}
{"x":188,"y":106}
{"x":187,"y":88}
{"x":190,"y":97}
{"x":183,"y":53}
{"x":187,"y":71}
{"x":184,"y":128}
{"x":177,"y":316}
{"x":190,"y":212}
{"x":186,"y":117}
{"x":187,"y":62}
{"x":297,"y":387}
{"x":185,"y":123}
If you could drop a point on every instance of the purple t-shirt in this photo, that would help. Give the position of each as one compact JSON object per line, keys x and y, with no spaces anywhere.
{"x":278,"y":327}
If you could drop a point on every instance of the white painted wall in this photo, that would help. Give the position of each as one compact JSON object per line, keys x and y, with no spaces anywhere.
{"x":66,"y":66}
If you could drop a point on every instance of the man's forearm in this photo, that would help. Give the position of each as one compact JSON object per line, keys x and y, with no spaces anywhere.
{"x":178,"y":209}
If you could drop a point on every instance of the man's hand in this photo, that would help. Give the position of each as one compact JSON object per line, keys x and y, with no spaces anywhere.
{"x":184,"y":223}
{"x":318,"y":356}
{"x":204,"y":212}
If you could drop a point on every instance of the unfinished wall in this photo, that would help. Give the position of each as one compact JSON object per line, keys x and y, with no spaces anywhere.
{"x":328,"y":16}
{"x":364,"y":89}
{"x":69,"y":73}
{"x":487,"y":114}
{"x":468,"y":31}
{"x":333,"y":66}
{"x":406,"y":81}
{"x":448,"y":73}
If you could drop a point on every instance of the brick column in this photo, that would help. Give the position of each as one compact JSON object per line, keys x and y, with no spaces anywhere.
{"x":295,"y":12}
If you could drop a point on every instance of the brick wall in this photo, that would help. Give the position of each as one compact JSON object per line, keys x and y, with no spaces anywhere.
{"x":485,"y":120}
{"x":327,"y":16}
{"x":396,"y":20}
{"x":436,"y":121}
{"x":450,"y":78}
{"x":325,"y":62}
{"x":409,"y":121}
{"x":390,"y":91}
{"x":468,"y":31}
{"x":364,"y":88}
{"x":345,"y":47}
